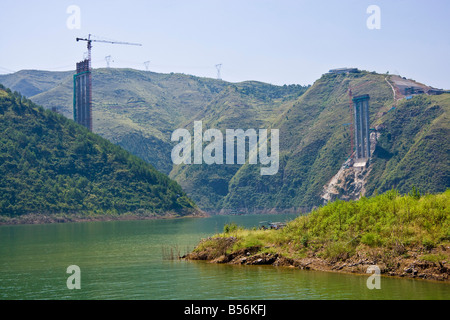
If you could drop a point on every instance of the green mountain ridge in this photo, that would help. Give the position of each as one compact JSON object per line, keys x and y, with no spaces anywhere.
{"x":51,"y":165}
{"x":414,"y":147}
{"x":139,"y":110}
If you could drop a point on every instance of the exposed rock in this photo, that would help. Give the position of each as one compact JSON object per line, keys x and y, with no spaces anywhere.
{"x":413,"y":266}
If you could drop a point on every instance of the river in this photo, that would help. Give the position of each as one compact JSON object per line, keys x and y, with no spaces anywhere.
{"x":129,"y":260}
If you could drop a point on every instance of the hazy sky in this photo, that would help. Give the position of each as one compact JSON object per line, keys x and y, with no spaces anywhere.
{"x":274,"y":41}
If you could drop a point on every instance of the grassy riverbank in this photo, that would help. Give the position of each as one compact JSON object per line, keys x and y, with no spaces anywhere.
{"x":405,"y":235}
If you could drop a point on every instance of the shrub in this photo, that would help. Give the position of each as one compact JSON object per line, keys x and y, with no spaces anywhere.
{"x":428,"y":243}
{"x":230,"y":227}
{"x":304,"y":240}
{"x":414,"y":193}
{"x":435,"y":258}
{"x":338,"y":251}
{"x":371,"y":239}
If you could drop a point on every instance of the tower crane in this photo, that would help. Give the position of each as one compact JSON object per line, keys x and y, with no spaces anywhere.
{"x":89,"y":44}
{"x":82,"y":84}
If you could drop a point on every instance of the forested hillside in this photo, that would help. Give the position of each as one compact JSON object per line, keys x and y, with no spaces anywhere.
{"x":49,"y":165}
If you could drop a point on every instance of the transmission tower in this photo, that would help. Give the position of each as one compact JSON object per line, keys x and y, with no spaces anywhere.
{"x":218,"y":66}
{"x":108,"y":60}
{"x":146,"y":64}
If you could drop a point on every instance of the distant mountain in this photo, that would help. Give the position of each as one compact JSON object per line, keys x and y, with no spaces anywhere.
{"x":51,"y":165}
{"x":32,"y":82}
{"x":139,"y":110}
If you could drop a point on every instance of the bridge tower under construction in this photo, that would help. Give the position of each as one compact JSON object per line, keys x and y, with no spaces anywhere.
{"x":82,"y":94}
{"x":362,"y":129}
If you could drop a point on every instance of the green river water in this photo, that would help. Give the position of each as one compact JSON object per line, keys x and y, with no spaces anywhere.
{"x":125,"y":260}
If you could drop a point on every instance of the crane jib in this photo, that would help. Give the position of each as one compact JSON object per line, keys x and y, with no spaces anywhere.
{"x":111,"y":42}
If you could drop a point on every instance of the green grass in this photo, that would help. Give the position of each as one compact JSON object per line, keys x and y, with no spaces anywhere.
{"x":435,"y":258}
{"x":336,"y":231}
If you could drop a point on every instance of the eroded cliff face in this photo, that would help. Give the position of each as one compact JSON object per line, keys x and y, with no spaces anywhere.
{"x":349,"y":182}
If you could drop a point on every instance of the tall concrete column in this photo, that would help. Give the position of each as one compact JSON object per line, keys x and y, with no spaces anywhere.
{"x":82,"y":95}
{"x":366,"y":112}
{"x":361,"y":129}
{"x":355,"y":128}
{"x":362,"y":126}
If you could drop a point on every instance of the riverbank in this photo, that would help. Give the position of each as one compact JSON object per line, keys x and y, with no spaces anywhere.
{"x":405,"y":236}
{"x":67,"y":218}
{"x":416,"y":262}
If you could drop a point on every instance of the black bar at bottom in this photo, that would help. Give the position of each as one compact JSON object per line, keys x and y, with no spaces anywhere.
{"x":217,"y":309}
